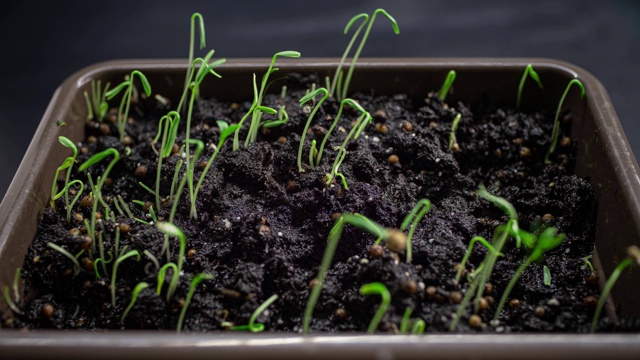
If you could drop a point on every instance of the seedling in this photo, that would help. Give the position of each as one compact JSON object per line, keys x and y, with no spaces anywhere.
{"x":192,"y":289}
{"x":305,"y":99}
{"x":508,"y":209}
{"x":587,"y":263}
{"x":114,"y":272}
{"x":283,"y":117}
{"x":528,"y":72}
{"x":362,"y":121}
{"x":69,"y":206}
{"x":153,"y":259}
{"x":417,"y":213}
{"x":547,"y":241}
{"x":12,"y":302}
{"x":134,"y":297}
{"x":395,"y":239}
{"x":256,"y":108}
{"x":342,"y":93}
{"x":127,"y":86}
{"x":546,"y":276}
{"x":173,"y":284}
{"x":632,"y":259}
{"x":337,"y":77}
{"x":63,"y":251}
{"x":168,"y":132}
{"x":453,"y":142}
{"x":97,"y":105}
{"x":446,"y":87}
{"x":376,"y":288}
{"x":252,"y":326}
{"x":67,"y":164}
{"x":473,"y":241}
{"x":96,"y":159}
{"x":354,"y":104}
{"x":171,"y":230}
{"x":203,"y":43}
{"x":556,"y":122}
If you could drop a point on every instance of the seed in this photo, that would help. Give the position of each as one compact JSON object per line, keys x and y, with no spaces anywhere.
{"x":235,"y":106}
{"x":497,"y":152}
{"x":127,"y":140}
{"x":36,"y":259}
{"x":376,"y":251}
{"x":456,"y":268}
{"x":380,"y":114}
{"x":500,"y":173}
{"x":230,"y":293}
{"x":147,"y":206}
{"x":590,"y":302}
{"x":396,"y":241}
{"x":313,"y":283}
{"x":548,"y":218}
{"x":393,"y":159}
{"x":74,"y":232}
{"x":407,"y":126}
{"x":191,"y":254}
{"x":112,"y":117}
{"x":104,"y":129}
{"x":282,"y":140}
{"x":563,"y":159}
{"x":455,"y":147}
{"x":475,"y":321}
{"x":455,"y":297}
{"x":539,"y":312}
{"x":518,"y":141}
{"x":86,"y":201}
{"x":84,"y":150}
{"x":335,"y":216}
{"x":124,"y":228}
{"x":293,"y":186}
{"x":87,"y":243}
{"x":567,"y":119}
{"x":634,"y":253}
{"x":79,"y":217}
{"x":565,"y":142}
{"x":592,"y":278}
{"x":264,"y":230}
{"x":87,"y":264}
{"x":108,"y":181}
{"x":514,"y":303}
{"x":525,"y":152}
{"x":47,"y":311}
{"x":490,"y":300}
{"x":98,"y":215}
{"x":141,"y":171}
{"x":381,"y":128}
{"x":430,"y":292}
{"x":319,"y":130}
{"x":341,"y":314}
{"x":175,"y":149}
{"x":409,"y":286}
{"x":202,"y":165}
{"x":433,"y":125}
{"x":488,"y":288}
{"x":91,"y":139}
{"x":483,"y":304}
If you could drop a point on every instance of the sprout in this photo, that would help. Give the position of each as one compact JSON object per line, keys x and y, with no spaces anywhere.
{"x":195,"y":17}
{"x":11,"y":302}
{"x":342,"y":93}
{"x":377,"y":288}
{"x":75,"y":199}
{"x":632,"y":259}
{"x":252,"y":326}
{"x":97,"y":104}
{"x":587,"y":263}
{"x":153,"y":259}
{"x":171,"y":230}
{"x":473,"y":241}
{"x":362,"y":121}
{"x":173,"y":285}
{"x":192,"y":289}
{"x":283,"y":117}
{"x":305,"y":99}
{"x":446,"y":87}
{"x":528,"y":72}
{"x":505,"y":206}
{"x":337,"y":77}
{"x":454,"y":127}
{"x":547,"y":241}
{"x":67,"y":164}
{"x":354,"y":104}
{"x":556,"y":122}
{"x":257,"y":109}
{"x":546,"y":276}
{"x":125,"y":103}
{"x":96,"y":158}
{"x":114,"y":272}
{"x":61,"y":250}
{"x":134,"y":297}
{"x":417,"y":213}
{"x":168,"y":133}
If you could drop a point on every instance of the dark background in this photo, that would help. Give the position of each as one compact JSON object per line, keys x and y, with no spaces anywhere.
{"x":44,"y":42}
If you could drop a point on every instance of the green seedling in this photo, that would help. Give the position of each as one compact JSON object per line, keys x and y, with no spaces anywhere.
{"x":203,"y":43}
{"x":75,"y":199}
{"x":547,"y":241}
{"x":359,"y":126}
{"x":153,"y":259}
{"x":507,"y":208}
{"x":114,"y":272}
{"x":354,"y":104}
{"x":337,"y":77}
{"x":632,"y":259}
{"x":587,"y":263}
{"x":173,"y":284}
{"x":12,"y":302}
{"x":395,"y":239}
{"x":134,"y":297}
{"x":192,"y":289}
{"x":283,"y":117}
{"x":417,"y":213}
{"x":377,"y":288}
{"x":252,"y":326}
{"x":68,"y":165}
{"x":305,"y":99}
{"x":168,"y":131}
{"x":127,"y":86}
{"x":446,"y":86}
{"x":453,"y":141}
{"x":473,"y":241}
{"x":528,"y":72}
{"x":97,"y":106}
{"x":96,"y":159}
{"x":256,"y":108}
{"x":546,"y":276}
{"x":414,"y":326}
{"x":342,"y":93}
{"x":225,"y":131}
{"x":171,"y":230}
{"x":556,"y":122}
{"x":404,"y":325}
{"x":61,"y":250}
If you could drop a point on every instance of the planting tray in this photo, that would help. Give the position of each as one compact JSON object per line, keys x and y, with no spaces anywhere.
{"x":603,"y":157}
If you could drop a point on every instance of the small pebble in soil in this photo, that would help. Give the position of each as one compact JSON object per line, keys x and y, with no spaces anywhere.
{"x":553,"y":302}
{"x":379,"y":114}
{"x":407,"y":126}
{"x":376,"y":251}
{"x":455,"y":297}
{"x":514,"y":303}
{"x":590,"y":302}
{"x":141,"y":171}
{"x":409,"y":286}
{"x":539,"y":312}
{"x":235,"y":106}
{"x":47,"y":311}
{"x":341,"y":314}
{"x":393,"y":159}
{"x":293,"y":186}
{"x":475,"y":321}
{"x":79,"y":217}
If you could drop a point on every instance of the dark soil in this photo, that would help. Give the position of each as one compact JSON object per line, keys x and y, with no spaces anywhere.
{"x":262,"y":226}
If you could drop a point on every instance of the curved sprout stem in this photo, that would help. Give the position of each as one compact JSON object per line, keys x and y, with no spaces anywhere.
{"x":556,"y":123}
{"x":252,"y":326}
{"x":417,"y":213}
{"x":528,"y":72}
{"x":134,"y":297}
{"x":303,"y":101}
{"x":192,"y":289}
{"x":377,"y":288}
{"x":446,"y":86}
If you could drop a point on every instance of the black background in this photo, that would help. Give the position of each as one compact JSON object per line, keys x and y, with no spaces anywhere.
{"x":42,"y":43}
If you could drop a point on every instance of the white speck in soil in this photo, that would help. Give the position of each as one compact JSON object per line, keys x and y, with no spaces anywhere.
{"x":375,"y":139}
{"x":431,"y":240}
{"x":553,"y":302}
{"x":279,"y":233}
{"x":183,"y":155}
{"x":444,"y":319}
{"x":389,"y":150}
{"x":421,"y":285}
{"x":227,"y":224}
{"x":500,"y":329}
{"x":364,"y":261}
{"x":238,"y":218}
{"x":439,"y":173}
{"x":437,"y":160}
{"x":494,"y":322}
{"x":567,"y":251}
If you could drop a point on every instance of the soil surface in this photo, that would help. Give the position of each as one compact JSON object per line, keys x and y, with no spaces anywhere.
{"x":262,"y":226}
